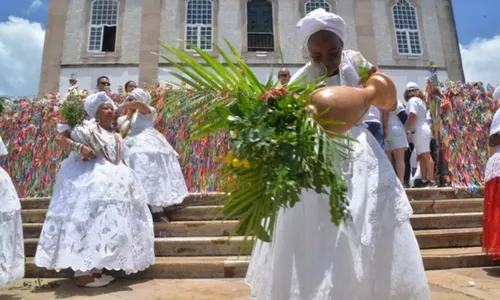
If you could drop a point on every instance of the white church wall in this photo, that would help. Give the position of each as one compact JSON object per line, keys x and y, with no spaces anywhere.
{"x":87,"y":77}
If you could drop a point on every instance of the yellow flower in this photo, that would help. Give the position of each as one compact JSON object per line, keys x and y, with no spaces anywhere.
{"x":237,"y":163}
{"x":230,"y":156}
{"x":246,"y":164}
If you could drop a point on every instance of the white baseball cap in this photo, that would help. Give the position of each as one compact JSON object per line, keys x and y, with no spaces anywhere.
{"x":412,"y":86}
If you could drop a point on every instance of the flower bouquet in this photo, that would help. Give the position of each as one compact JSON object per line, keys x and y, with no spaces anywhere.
{"x":277,"y":147}
{"x":72,"y":110}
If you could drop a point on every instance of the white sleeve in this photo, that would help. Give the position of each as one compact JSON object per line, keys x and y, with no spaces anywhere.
{"x":62,"y":127}
{"x":304,"y":72}
{"x":412,"y":106}
{"x":495,"y":124}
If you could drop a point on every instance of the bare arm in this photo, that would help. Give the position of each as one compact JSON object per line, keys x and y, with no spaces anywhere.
{"x":412,"y":121}
{"x":141,"y":107}
{"x":64,"y":141}
{"x":494,"y":140}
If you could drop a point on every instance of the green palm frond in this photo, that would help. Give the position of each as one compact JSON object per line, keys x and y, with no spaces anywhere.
{"x":277,"y":148}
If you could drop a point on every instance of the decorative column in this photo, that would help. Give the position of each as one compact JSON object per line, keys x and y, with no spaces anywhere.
{"x":150,"y":36}
{"x":53,"y":46}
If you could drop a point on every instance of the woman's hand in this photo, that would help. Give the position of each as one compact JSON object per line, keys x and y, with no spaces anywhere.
{"x":87,"y":153}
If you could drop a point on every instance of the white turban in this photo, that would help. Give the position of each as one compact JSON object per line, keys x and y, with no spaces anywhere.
{"x":320,"y":19}
{"x":141,"y":96}
{"x":94,"y":101}
{"x":495,"y":123}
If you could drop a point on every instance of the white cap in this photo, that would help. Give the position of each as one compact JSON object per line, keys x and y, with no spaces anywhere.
{"x":412,"y":86}
{"x":72,"y":77}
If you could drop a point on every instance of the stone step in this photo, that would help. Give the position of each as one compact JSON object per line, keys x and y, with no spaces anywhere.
{"x":225,"y":228}
{"x":445,"y":221}
{"x":190,"y":213}
{"x":447,"y":206}
{"x":215,"y":246}
{"x":236,"y":266}
{"x":442,"y":193}
{"x":217,"y":198}
{"x":172,"y":229}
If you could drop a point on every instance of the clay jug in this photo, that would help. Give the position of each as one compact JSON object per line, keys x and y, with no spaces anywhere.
{"x":349,"y":104}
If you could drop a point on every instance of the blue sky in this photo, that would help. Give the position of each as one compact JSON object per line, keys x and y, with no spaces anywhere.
{"x":21,"y":42}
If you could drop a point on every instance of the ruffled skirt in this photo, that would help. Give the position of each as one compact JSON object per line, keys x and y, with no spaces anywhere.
{"x":491,"y":210}
{"x":375,"y":256}
{"x":97,"y":219}
{"x":11,"y":232}
{"x":157,"y":165}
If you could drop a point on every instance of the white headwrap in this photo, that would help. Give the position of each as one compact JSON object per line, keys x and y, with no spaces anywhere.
{"x":495,"y":123}
{"x":320,"y":19}
{"x":141,"y":95}
{"x":94,"y":101}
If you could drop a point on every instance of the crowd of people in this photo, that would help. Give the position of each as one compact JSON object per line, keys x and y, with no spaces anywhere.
{"x":98,"y":218}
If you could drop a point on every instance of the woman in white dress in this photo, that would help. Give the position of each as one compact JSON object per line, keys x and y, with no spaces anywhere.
{"x":11,"y":229}
{"x":419,"y":132}
{"x":151,"y":156}
{"x":98,"y":216}
{"x":396,"y":140}
{"x":375,"y":256}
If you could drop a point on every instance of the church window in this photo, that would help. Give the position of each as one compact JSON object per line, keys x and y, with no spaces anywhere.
{"x":406,"y":28}
{"x":260,"y":29}
{"x":315,"y":4}
{"x":199,"y":24}
{"x":103,"y":25}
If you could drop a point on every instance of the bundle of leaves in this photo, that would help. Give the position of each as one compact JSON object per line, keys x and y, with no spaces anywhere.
{"x":277,"y":148}
{"x":72,"y":109}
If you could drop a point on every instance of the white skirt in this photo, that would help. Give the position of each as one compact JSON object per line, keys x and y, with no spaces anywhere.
{"x":157,"y":166}
{"x":11,"y":232}
{"x":98,"y":218}
{"x":375,"y":256}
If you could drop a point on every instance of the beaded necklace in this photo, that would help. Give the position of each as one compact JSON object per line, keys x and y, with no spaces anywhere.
{"x":118,"y":148}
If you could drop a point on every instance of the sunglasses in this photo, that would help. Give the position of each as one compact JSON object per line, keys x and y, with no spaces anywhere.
{"x":105,"y":83}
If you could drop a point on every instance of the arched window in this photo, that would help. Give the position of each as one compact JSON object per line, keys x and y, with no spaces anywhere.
{"x":260,"y":29}
{"x":406,"y":28}
{"x":199,"y":24}
{"x":103,"y":25}
{"x":315,"y":4}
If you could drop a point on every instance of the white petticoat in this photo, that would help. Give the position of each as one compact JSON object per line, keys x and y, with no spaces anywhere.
{"x":97,"y":218}
{"x":373,"y":257}
{"x":11,"y":232}
{"x":157,"y":165}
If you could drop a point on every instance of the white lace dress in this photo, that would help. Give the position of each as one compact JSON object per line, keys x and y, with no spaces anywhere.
{"x":373,"y":257}
{"x":98,"y":216}
{"x":11,"y":229}
{"x":155,"y":161}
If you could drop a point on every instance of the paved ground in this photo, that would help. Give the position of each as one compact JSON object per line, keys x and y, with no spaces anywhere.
{"x":446,"y":285}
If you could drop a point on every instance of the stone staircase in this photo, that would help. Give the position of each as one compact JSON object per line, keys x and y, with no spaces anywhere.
{"x":447,"y":223}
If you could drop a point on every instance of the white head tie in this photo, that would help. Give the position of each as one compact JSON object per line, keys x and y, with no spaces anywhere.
{"x":94,"y":101}
{"x":320,"y":19}
{"x":141,"y":95}
{"x":495,"y":122}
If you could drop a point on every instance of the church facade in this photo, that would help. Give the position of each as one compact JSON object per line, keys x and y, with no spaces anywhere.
{"x":118,"y":38}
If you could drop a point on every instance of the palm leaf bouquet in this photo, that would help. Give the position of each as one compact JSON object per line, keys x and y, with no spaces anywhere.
{"x":277,"y":147}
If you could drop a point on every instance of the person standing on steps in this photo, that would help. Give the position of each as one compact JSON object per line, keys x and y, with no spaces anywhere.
{"x":373,"y":256}
{"x":491,"y":210}
{"x":11,"y":229}
{"x":98,"y":216}
{"x":396,"y":141}
{"x":150,"y":155}
{"x":419,"y":132}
